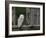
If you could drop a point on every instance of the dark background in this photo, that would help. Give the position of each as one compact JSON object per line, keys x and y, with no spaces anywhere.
{"x":25,"y":24}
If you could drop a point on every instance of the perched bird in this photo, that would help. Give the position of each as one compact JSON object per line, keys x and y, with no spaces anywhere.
{"x":20,"y":20}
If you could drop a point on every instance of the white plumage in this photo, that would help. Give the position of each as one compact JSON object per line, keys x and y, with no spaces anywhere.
{"x":20,"y":20}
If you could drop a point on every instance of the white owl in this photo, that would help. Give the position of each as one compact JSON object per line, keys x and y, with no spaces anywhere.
{"x":20,"y":20}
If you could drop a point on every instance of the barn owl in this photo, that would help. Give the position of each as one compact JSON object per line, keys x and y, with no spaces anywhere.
{"x":20,"y":20}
